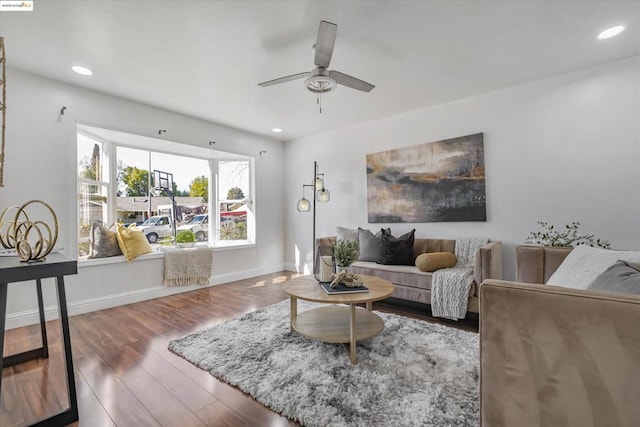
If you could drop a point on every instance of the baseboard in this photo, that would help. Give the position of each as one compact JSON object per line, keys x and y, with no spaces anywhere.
{"x":289,"y":266}
{"x":30,"y":317}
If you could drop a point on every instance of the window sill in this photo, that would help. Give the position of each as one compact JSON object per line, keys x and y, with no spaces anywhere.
{"x":91,"y":262}
{"x":159,"y":253}
{"x":232,"y":246}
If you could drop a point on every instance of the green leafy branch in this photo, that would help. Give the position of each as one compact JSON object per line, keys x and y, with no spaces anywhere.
{"x":564,"y":237}
{"x":345,"y":252}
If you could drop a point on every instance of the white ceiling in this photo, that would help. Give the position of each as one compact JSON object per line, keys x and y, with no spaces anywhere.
{"x":205,"y":58}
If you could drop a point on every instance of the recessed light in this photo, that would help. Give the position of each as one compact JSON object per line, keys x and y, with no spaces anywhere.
{"x":610,"y":32}
{"x":276,"y":130}
{"x":82,"y":70}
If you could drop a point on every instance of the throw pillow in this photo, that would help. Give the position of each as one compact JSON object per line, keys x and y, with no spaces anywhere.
{"x":348,"y":234}
{"x":370,"y":245}
{"x":133,"y":243}
{"x":397,"y":250}
{"x":621,"y":277}
{"x":102,"y":241}
{"x":433,"y":261}
{"x":581,"y":267}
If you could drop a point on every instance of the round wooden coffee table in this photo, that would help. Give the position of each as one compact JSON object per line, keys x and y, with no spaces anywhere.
{"x":337,"y":323}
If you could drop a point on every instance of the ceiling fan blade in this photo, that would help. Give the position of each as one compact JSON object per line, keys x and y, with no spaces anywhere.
{"x":324,"y":43}
{"x":352,"y":82}
{"x":284,"y":79}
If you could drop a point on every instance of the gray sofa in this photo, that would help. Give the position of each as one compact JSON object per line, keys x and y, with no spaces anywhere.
{"x":411,"y":284}
{"x":556,"y":356}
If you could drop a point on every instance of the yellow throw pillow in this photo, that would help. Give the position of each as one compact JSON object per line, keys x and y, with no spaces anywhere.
{"x":133,"y":243}
{"x":433,"y":261}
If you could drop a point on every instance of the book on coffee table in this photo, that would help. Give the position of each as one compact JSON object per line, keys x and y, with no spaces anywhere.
{"x":342,"y":289}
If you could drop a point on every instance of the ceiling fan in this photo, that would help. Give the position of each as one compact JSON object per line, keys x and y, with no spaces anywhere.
{"x":321,"y":79}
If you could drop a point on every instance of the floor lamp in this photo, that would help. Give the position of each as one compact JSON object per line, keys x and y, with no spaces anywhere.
{"x":321,"y":195}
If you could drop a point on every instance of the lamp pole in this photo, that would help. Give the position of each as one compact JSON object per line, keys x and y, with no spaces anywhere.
{"x":315,"y":192}
{"x":320,"y":194}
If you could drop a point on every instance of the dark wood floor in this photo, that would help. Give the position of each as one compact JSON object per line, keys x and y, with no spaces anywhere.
{"x":126,"y":376}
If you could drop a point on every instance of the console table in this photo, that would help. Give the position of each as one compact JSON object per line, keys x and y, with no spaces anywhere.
{"x":56,"y":266}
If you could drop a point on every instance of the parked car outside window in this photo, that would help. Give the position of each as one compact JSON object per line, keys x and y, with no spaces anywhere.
{"x":156,"y":227}
{"x":199,"y":226}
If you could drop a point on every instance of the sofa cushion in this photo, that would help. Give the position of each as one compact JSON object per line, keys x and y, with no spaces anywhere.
{"x":581,"y":267}
{"x":435,"y":261}
{"x":621,"y":277}
{"x":102,"y":241}
{"x":397,"y":250}
{"x":406,"y":276}
{"x":370,"y":245}
{"x":422,"y":246}
{"x":133,"y":243}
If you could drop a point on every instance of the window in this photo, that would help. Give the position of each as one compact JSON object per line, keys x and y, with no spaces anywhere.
{"x":233,"y":200}
{"x":93,"y":191}
{"x":162,"y":187}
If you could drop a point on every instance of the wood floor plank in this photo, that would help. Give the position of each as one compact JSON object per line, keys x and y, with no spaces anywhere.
{"x":164,"y":406}
{"x":121,"y":405}
{"x":189,"y":392}
{"x":126,"y":362}
{"x":82,"y":388}
{"x":125,"y":374}
{"x":92,"y":414}
{"x":220,"y":415}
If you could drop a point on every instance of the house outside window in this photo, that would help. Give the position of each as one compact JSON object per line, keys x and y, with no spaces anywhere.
{"x":116,"y":184}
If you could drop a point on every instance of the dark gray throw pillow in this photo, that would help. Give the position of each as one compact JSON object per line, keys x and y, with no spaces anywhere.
{"x":370,"y":245}
{"x":622,"y":277}
{"x":397,"y":250}
{"x":102,"y":242}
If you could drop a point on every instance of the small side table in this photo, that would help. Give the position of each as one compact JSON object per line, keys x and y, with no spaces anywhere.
{"x":57,"y":266}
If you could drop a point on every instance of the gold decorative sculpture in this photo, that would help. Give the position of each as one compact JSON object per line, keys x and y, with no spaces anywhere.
{"x":33,"y":240}
{"x":3,"y":108}
{"x":7,"y":227}
{"x":350,"y":280}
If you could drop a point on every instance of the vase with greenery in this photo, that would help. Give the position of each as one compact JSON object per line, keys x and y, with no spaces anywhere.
{"x":345,"y":252}
{"x":567,"y":236}
{"x":185,"y":238}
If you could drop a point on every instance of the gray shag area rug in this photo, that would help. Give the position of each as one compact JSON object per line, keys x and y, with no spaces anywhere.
{"x":414,"y":373}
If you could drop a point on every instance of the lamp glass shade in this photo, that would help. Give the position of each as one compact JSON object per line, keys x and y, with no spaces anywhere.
{"x":319,"y":183}
{"x":323,"y":195}
{"x":303,"y":205}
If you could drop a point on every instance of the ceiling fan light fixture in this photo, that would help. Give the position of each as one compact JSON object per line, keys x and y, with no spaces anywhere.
{"x":320,"y":84}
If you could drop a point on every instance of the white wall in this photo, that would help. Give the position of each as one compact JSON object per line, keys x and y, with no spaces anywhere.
{"x":41,"y":164}
{"x":560,"y":149}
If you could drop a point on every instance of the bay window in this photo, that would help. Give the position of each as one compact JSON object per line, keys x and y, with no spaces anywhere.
{"x":116,"y":184}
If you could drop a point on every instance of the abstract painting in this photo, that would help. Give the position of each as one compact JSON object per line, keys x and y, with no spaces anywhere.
{"x":438,"y":181}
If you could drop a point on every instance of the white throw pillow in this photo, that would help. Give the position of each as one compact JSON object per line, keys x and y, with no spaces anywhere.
{"x":584,"y":264}
{"x":348,"y":234}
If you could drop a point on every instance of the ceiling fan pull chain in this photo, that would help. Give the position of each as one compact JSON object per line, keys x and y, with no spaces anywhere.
{"x":319,"y":102}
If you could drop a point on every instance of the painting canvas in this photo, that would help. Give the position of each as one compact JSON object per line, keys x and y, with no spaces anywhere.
{"x":433,"y":182}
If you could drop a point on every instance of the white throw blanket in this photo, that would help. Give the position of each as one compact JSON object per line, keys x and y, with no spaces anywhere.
{"x":450,"y":286}
{"x":191,"y":266}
